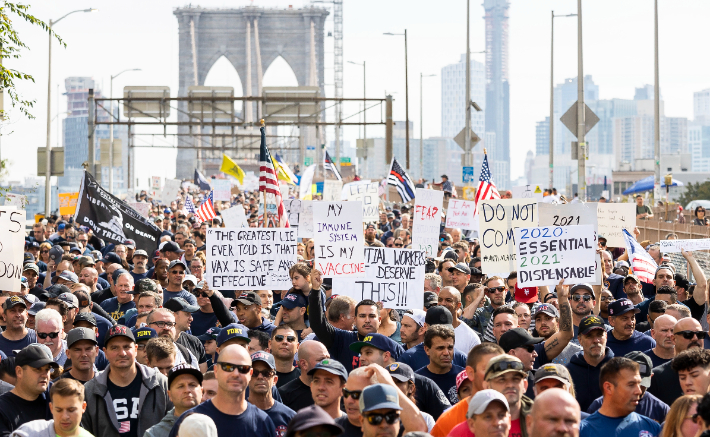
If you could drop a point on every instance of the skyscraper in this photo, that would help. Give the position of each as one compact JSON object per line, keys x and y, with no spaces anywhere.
{"x":497,"y":86}
{"x":453,"y":98}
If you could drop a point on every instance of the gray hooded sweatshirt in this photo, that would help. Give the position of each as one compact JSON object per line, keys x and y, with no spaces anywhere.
{"x":35,"y":428}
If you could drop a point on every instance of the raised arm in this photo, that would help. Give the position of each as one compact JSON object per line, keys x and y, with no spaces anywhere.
{"x":559,"y":341}
{"x":701,"y":287}
{"x":411,"y":416}
{"x":316,"y":316}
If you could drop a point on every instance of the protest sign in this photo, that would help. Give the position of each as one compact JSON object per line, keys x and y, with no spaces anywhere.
{"x":13,"y":199}
{"x":234,"y":217}
{"x":12,"y":238}
{"x":366,"y":192}
{"x":497,"y":219}
{"x":111,"y":219}
{"x":67,"y":203}
{"x":527,"y":192}
{"x":426,"y":220}
{"x":141,"y":207}
{"x":338,"y":239}
{"x":545,"y":255}
{"x":300,"y":216}
{"x":674,"y":246}
{"x":612,"y":219}
{"x":222,"y":189}
{"x":460,"y":214}
{"x":332,"y":189}
{"x":567,"y":214}
{"x":170,"y":191}
{"x":155,"y":182}
{"x":250,"y":258}
{"x":394,"y":277}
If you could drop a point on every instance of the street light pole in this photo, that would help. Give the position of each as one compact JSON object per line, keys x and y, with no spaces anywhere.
{"x":581,"y":124}
{"x":48,"y":148}
{"x":656,"y":114}
{"x":468,"y":156}
{"x":110,"y":141}
{"x":364,"y":105}
{"x":406,"y":89}
{"x":421,"y":124}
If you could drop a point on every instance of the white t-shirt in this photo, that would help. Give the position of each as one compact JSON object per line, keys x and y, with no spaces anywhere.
{"x":466,"y":338}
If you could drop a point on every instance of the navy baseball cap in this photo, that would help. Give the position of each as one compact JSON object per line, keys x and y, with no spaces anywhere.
{"x":145,"y":333}
{"x":310,"y":417}
{"x":111,"y":258}
{"x":84,"y":317}
{"x":622,"y":306}
{"x":232,"y":331}
{"x":210,"y":334}
{"x":264,"y":357}
{"x":330,"y":366}
{"x":378,"y":341}
{"x":589,"y":323}
{"x":379,"y":397}
{"x":401,"y":372}
{"x":292,"y":301}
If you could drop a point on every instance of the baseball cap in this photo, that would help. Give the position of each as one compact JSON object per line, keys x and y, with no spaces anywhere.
{"x":502,"y":364}
{"x":180,"y":304}
{"x":461,"y":267}
{"x":460,"y":378}
{"x":248,"y":298}
{"x":111,"y":258}
{"x":130,"y":244}
{"x":401,"y":372}
{"x":69,"y":299}
{"x":61,"y":226}
{"x":171,"y":246}
{"x":525,"y":294}
{"x":76,"y":249}
{"x":264,"y":357}
{"x":31,"y":266}
{"x":116,"y":273}
{"x":190,"y":278}
{"x":480,"y":401}
{"x":449,"y":254}
{"x":28,"y":258}
{"x":378,"y":341}
{"x":292,"y":301}
{"x":621,"y":263}
{"x":622,"y":306}
{"x":581,"y":287}
{"x":553,"y":371}
{"x":430,"y":299}
{"x":145,"y":333}
{"x":56,"y":253}
{"x":681,"y":281}
{"x":78,"y":334}
{"x":86,"y":261}
{"x":379,"y":397}
{"x":35,"y":355}
{"x":83,"y":298}
{"x":177,"y":262}
{"x":517,"y":337}
{"x":146,"y":284}
{"x":370,"y":226}
{"x":546,"y":308}
{"x":550,"y":295}
{"x":67,"y":276}
{"x":418,"y":316}
{"x":183,"y":369}
{"x":632,"y":277}
{"x":140,"y":252}
{"x":210,"y":334}
{"x":438,"y":315}
{"x":331,"y":366}
{"x":85,"y":317}
{"x":590,"y":323}
{"x":36,"y":307}
{"x":310,"y":417}
{"x":232,"y":331}
{"x":475,"y":271}
{"x":13,"y":301}
{"x":645,"y":366}
{"x":118,"y":331}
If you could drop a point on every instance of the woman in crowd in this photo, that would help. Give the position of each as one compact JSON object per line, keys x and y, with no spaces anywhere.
{"x":700,"y":219}
{"x":681,"y":420}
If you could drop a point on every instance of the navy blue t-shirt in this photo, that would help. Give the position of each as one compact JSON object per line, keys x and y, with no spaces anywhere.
{"x":655,"y":359}
{"x":252,"y":422}
{"x":102,"y":284}
{"x":202,"y":321}
{"x":281,"y":415}
{"x":632,"y":425}
{"x":7,"y":346}
{"x":116,"y":310}
{"x":445,"y":381}
{"x":138,"y":276}
{"x":103,"y":325}
{"x":637,"y":342}
{"x":541,"y":358}
{"x":416,"y":358}
{"x":649,"y":406}
{"x":189,"y":297}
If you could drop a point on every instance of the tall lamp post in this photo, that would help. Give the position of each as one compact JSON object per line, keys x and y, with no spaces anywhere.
{"x":364,"y":104}
{"x":552,"y":93}
{"x":421,"y":123}
{"x":406,"y":89}
{"x":656,"y":114}
{"x":110,"y":141}
{"x":48,"y":155}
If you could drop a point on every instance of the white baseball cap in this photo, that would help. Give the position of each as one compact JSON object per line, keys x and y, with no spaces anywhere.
{"x":479,"y":402}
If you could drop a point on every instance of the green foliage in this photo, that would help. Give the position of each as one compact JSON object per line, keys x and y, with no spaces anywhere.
{"x":11,"y":47}
{"x":695,"y":192}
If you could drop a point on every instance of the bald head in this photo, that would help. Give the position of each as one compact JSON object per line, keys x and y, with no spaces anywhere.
{"x":311,"y":352}
{"x":684,"y":326}
{"x":665,"y":321}
{"x":555,"y":412}
{"x":235,"y":354}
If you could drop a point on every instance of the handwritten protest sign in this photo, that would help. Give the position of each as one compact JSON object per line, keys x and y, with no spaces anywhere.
{"x":141,"y":208}
{"x":222,"y":189}
{"x":332,"y":189}
{"x":67,"y":203}
{"x":367,"y":193}
{"x":426,"y":220}
{"x":612,"y":219}
{"x":250,"y":258}
{"x":300,"y":216}
{"x":12,"y":237}
{"x":234,"y":217}
{"x":497,"y":220}
{"x":394,"y":277}
{"x":674,"y":246}
{"x":550,"y":253}
{"x":170,"y":191}
{"x":460,"y":214}
{"x":568,"y":214}
{"x":338,"y":239}
{"x":527,"y":192}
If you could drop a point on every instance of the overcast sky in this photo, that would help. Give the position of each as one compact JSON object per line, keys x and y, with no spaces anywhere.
{"x":618,"y":49}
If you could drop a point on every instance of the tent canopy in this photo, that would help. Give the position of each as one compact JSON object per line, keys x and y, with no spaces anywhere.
{"x":646,"y":184}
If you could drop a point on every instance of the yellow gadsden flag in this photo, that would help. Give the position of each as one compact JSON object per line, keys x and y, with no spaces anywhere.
{"x":231,"y":168}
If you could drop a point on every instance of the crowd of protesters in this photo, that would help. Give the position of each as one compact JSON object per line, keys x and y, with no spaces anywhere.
{"x":110,"y":340}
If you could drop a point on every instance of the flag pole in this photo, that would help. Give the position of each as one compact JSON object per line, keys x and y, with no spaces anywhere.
{"x":263,"y":193}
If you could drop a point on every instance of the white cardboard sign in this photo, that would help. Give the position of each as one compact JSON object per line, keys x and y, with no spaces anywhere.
{"x":300,"y":216}
{"x":366,"y":192}
{"x":426,"y":221}
{"x":339,"y":242}
{"x":497,"y":220}
{"x":613,"y":218}
{"x":568,"y":214}
{"x":674,"y":246}
{"x":332,"y":188}
{"x":528,"y":192}
{"x":221,"y":189}
{"x":170,"y":191}
{"x":234,"y":217}
{"x":461,"y":214}
{"x":12,"y":237}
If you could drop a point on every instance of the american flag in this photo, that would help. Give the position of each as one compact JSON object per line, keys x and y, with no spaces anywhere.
{"x":486,"y":188}
{"x":268,"y":180}
{"x":642,"y":263}
{"x":206,"y":211}
{"x":124,"y":427}
{"x":401,"y":180}
{"x":190,"y":207}
{"x":329,"y":165}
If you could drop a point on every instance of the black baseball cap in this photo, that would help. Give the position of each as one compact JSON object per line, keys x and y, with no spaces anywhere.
{"x":430,"y":299}
{"x":171,"y":246}
{"x":582,"y":287}
{"x":210,"y":334}
{"x":401,"y":372}
{"x":178,"y":262}
{"x":183,"y":369}
{"x":645,"y":366}
{"x":438,"y":315}
{"x":248,"y":298}
{"x":56,"y":253}
{"x":378,"y":341}
{"x":264,"y":357}
{"x":111,"y":258}
{"x":118,"y":331}
{"x":330,"y":366}
{"x":78,"y":334}
{"x":180,"y":304}
{"x":35,"y":355}
{"x":590,"y":323}
{"x":622,"y":306}
{"x":310,"y":417}
{"x":517,"y":337}
{"x":85,"y":317}
{"x":461,"y":267}
{"x":13,"y":301}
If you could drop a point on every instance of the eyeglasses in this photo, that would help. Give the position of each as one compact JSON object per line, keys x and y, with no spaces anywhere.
{"x":44,"y":335}
{"x":376,"y":419}
{"x":355,"y":394}
{"x":280,"y":338}
{"x":229,"y":367}
{"x":606,"y":299}
{"x":688,"y":335}
{"x":584,"y":297}
{"x":178,"y":272}
{"x":505,"y":365}
{"x":500,"y":289}
{"x":162,"y":325}
{"x":268,"y":373}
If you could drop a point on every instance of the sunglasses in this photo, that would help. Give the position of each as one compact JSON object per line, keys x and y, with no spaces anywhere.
{"x":43,"y":251}
{"x":398,"y":245}
{"x":229,"y":367}
{"x":688,"y":335}
{"x":178,"y":272}
{"x":355,"y":394}
{"x":268,"y":373}
{"x":289,"y":338}
{"x":496,"y":289}
{"x":44,"y":335}
{"x":606,"y":299}
{"x":584,"y":297}
{"x":200,"y":294}
{"x":505,"y":365}
{"x":529,"y":347}
{"x":376,"y":419}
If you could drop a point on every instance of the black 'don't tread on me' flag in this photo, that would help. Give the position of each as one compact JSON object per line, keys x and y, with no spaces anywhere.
{"x":111,"y":219}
